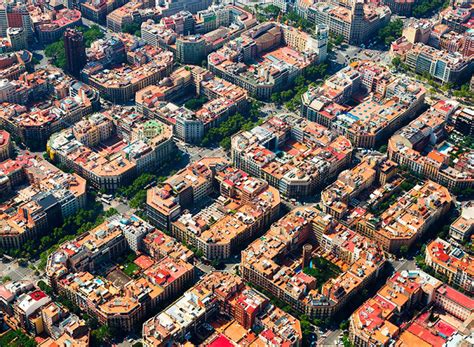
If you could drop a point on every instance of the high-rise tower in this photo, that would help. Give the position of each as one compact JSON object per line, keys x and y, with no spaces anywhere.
{"x":75,"y":51}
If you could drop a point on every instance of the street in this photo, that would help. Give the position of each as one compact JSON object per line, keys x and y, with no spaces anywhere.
{"x":38,"y":49}
{"x":333,"y":338}
{"x":403,"y":265}
{"x":120,"y":206}
{"x":16,"y":272}
{"x":341,"y":56}
{"x":345,"y":54}
{"x":196,"y":153}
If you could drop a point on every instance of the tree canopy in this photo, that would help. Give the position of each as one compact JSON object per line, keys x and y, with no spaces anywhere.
{"x":16,"y":338}
{"x":232,"y":125}
{"x":195,"y":104}
{"x":91,"y":34}
{"x":423,"y":8}
{"x":132,"y":28}
{"x":391,"y":31}
{"x":292,"y":96}
{"x":56,"y":52}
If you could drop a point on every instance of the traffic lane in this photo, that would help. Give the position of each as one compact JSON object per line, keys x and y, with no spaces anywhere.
{"x":16,"y":272}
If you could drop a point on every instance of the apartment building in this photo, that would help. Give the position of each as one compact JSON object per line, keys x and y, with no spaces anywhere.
{"x":30,"y":211}
{"x":376,"y":321}
{"x":216,"y":230}
{"x":224,"y":100}
{"x":50,"y":25}
{"x":192,"y":37}
{"x":103,"y":243}
{"x":453,"y":42}
{"x":145,"y":65}
{"x":408,"y":218}
{"x":35,"y":127}
{"x":159,"y":245}
{"x":283,"y":51}
{"x":75,"y":49}
{"x":52,"y":315}
{"x":357,"y":22}
{"x":455,"y":303}
{"x":97,"y":11}
{"x":17,"y":39}
{"x":308,"y":154}
{"x":443,"y":65}
{"x":14,"y":64}
{"x":323,"y":105}
{"x":122,"y":305}
{"x":193,"y":308}
{"x":225,"y":293}
{"x":464,"y":121}
{"x":63,"y":327}
{"x":170,"y":7}
{"x":162,"y":35}
{"x":278,"y":327}
{"x":375,"y":180}
{"x":246,"y":206}
{"x":131,"y":150}
{"x":187,"y":187}
{"x":106,"y":52}
{"x":428,"y":130}
{"x":462,"y":228}
{"x":303,"y":227}
{"x":437,"y":35}
{"x":179,"y":84}
{"x":400,"y":7}
{"x":388,"y":319}
{"x":335,"y":198}
{"x":457,"y":18}
{"x":186,"y":126}
{"x":125,"y":308}
{"x":422,"y":331}
{"x":372,"y":121}
{"x":15,"y":15}
{"x":389,"y":102}
{"x":22,"y":91}
{"x":75,"y":332}
{"x":10,"y":291}
{"x":446,"y":259}
{"x":418,"y":30}
{"x":6,"y":145}
{"x":66,"y":102}
{"x":12,"y":173}
{"x":131,"y":12}
{"x":27,"y":308}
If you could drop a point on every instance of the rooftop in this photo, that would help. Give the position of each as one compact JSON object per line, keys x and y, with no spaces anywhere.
{"x":160,"y":244}
{"x":44,"y":180}
{"x":268,"y":255}
{"x":275,"y":56}
{"x":301,"y":158}
{"x":373,"y":320}
{"x":110,"y":155}
{"x":450,"y":257}
{"x":408,"y":216}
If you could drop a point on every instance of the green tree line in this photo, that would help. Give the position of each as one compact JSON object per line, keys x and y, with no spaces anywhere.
{"x":391,"y":31}
{"x":424,"y":8}
{"x":235,"y":123}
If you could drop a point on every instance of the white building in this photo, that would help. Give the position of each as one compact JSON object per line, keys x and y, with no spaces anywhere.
{"x":7,"y":91}
{"x":18,"y":38}
{"x":134,"y":230}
